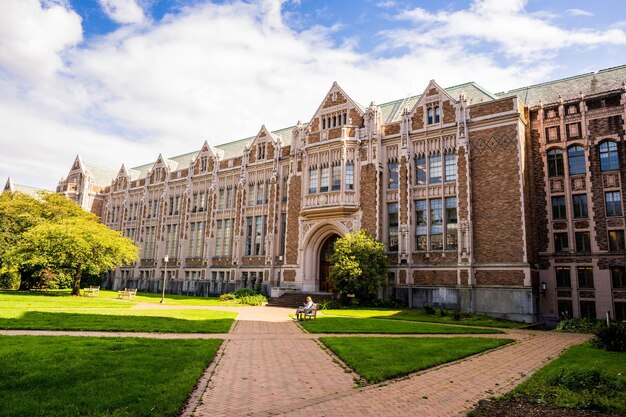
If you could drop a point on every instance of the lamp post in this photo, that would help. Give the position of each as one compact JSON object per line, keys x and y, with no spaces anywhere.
{"x":166,"y":259}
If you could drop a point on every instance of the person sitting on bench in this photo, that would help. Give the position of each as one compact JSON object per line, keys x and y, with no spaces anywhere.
{"x":301,"y":311}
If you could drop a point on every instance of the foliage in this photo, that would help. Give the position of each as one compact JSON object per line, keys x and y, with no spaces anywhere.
{"x":442,"y":312}
{"x":76,"y":246}
{"x":328,"y":304}
{"x":9,"y":278}
{"x":584,"y":325}
{"x":242,"y":292}
{"x":330,"y":324}
{"x":359,"y":265}
{"x":583,"y":377}
{"x":60,"y":376}
{"x":429,"y":310}
{"x":253,"y":300}
{"x":227,"y":297}
{"x":380,"y":358}
{"x":376,"y":303}
{"x":612,"y":337}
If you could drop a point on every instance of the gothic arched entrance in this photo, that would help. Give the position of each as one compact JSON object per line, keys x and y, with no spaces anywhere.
{"x":324,"y":263}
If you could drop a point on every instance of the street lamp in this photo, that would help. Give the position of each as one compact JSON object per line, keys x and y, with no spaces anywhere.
{"x":166,"y":259}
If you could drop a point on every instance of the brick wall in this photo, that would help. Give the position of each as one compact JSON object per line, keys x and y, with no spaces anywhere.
{"x":368,"y":196}
{"x":435,"y":277}
{"x":496,"y":211}
{"x":491,"y":107}
{"x":417,"y":122}
{"x":392,"y":129}
{"x":293,"y":216}
{"x":538,"y":195}
{"x":449,"y":112}
{"x":289,"y":275}
{"x":404,"y":190}
{"x":499,"y":277}
{"x":462,"y":184}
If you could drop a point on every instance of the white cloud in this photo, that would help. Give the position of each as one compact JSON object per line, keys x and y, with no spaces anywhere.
{"x":578,"y":12}
{"x":123,"y":11}
{"x":218,"y":72}
{"x":506,"y":23}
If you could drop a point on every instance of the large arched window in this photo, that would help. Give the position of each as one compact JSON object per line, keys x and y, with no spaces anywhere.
{"x":608,"y":156}
{"x":555,"y":163}
{"x":576,"y":160}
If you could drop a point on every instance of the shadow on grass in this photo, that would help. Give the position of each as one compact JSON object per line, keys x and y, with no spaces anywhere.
{"x":43,"y":320}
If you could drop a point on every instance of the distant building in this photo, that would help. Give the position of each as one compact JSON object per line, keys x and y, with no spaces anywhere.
{"x":10,"y":186}
{"x":505,"y":204}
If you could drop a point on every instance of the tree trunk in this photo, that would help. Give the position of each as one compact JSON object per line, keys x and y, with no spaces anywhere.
{"x":76,"y":286}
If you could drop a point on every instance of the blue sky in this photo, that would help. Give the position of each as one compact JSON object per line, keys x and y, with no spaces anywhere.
{"x":119,"y":81}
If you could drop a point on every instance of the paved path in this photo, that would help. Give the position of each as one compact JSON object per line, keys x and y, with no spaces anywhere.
{"x":267,"y":366}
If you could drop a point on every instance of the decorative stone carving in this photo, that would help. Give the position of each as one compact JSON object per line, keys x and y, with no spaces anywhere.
{"x":615,"y":222}
{"x":556,"y":185}
{"x":559,"y":225}
{"x":582,"y":224}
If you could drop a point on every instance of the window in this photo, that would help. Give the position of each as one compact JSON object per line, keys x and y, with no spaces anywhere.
{"x":324,"y":180}
{"x":616,"y":240}
{"x":613,"y":201}
{"x":260,"y":152}
{"x":312,"y":181}
{"x":429,"y":116}
{"x":437,"y":114}
{"x":555,"y":163}
{"x":579,"y":202}
{"x":565,"y":309}
{"x":284,"y":187}
{"x":202,"y":202}
{"x":620,"y":311}
{"x":258,"y":236}
{"x":450,"y":162}
{"x":229,"y":197}
{"x":421,"y":232}
{"x":249,"y":236}
{"x":392,"y":212}
{"x":420,"y":170}
{"x":583,"y":242}
{"x":260,"y":193}
{"x":226,"y":241}
{"x":608,"y":156}
{"x":221,"y":199}
{"x":171,"y":240}
{"x":251,"y":196}
{"x":196,"y":230}
{"x":588,"y":309}
{"x":283,"y":231}
{"x":576,"y":160}
{"x":618,"y":276}
{"x":451,"y":220}
{"x":436,"y":225}
{"x":336,"y":181}
{"x":434,"y":169}
{"x":563,"y":279}
{"x":148,"y":248}
{"x":585,"y":277}
{"x":558,"y":208}
{"x":194,"y":206}
{"x":349,"y":176}
{"x":561,"y":242}
{"x":256,"y":229}
{"x":392,"y":172}
{"x":219,"y":233}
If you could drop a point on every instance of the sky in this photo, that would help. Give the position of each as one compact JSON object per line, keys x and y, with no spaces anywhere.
{"x":120,"y":81}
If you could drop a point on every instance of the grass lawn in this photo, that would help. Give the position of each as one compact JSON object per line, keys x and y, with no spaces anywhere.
{"x":583,"y":377}
{"x":418,"y":314}
{"x":380,"y":358}
{"x":54,"y":376}
{"x":327,"y":324}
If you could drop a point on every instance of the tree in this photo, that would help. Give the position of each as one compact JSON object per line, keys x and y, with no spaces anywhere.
{"x":359,"y":265}
{"x":77,"y":246}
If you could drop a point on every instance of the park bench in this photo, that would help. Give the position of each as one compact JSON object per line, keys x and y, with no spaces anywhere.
{"x":310,"y":313}
{"x":128,"y":293}
{"x":91,"y":291}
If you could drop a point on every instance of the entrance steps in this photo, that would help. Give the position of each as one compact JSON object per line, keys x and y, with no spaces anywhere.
{"x":296,"y":299}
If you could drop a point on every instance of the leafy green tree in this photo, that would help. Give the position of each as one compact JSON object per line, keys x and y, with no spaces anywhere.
{"x":359,"y":265}
{"x":77,"y":246}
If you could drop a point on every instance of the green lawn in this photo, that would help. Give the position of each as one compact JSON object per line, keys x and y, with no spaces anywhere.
{"x":380,"y":358}
{"x":583,"y":377}
{"x":418,"y":314}
{"x":54,"y":376}
{"x":108,"y":319}
{"x":327,"y":324}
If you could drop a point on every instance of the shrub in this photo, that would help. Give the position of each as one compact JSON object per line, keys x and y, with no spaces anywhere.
{"x":243,"y":292}
{"x":442,"y":312}
{"x":612,"y":338}
{"x":253,"y":300}
{"x":429,"y":310}
{"x":456,"y":315}
{"x":227,"y":297}
{"x":584,"y":325}
{"x":585,"y":380}
{"x":328,"y":305}
{"x":9,"y":278}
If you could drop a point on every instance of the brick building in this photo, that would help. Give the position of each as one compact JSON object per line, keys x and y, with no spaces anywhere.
{"x":505,"y":204}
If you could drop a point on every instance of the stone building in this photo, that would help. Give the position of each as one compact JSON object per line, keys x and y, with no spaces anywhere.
{"x":505,"y":204}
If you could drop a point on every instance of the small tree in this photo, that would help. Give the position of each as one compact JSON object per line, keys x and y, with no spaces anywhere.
{"x":74,"y":246}
{"x":359,"y":265}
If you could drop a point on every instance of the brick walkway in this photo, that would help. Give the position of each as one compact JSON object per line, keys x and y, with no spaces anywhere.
{"x":268,"y":366}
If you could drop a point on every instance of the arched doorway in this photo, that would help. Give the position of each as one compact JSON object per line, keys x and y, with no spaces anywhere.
{"x":324,"y":263}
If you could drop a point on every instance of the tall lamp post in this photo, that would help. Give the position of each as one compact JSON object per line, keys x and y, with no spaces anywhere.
{"x":166,"y":259}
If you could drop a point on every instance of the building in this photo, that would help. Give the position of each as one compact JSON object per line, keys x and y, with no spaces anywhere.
{"x":505,"y":204}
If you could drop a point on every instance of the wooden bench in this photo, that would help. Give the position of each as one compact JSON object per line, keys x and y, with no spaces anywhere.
{"x":310,"y":313}
{"x":92,"y":291}
{"x":128,"y":293}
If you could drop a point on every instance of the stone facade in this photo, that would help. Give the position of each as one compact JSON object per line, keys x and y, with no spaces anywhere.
{"x":458,"y":183}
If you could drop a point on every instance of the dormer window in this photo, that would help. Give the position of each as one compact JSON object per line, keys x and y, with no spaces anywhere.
{"x":334,"y":120}
{"x":203,"y":163}
{"x":260,"y":152}
{"x":433,"y":114}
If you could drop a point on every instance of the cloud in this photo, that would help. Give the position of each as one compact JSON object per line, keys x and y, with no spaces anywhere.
{"x":123,"y":11}
{"x":505,"y":23}
{"x":578,"y":12}
{"x":219,"y":71}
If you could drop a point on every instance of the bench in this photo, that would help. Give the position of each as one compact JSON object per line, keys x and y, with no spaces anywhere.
{"x":91,"y":291}
{"x":128,"y":293}
{"x":309,"y":313}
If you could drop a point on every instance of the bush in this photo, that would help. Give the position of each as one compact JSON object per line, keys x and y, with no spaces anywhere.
{"x":456,"y":315}
{"x":243,"y":292}
{"x":584,"y":325}
{"x":253,"y":300}
{"x":385,"y":304}
{"x":429,"y":310}
{"x":328,"y":305}
{"x":612,"y":338}
{"x":442,"y":312}
{"x":9,"y":279}
{"x":227,"y":297}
